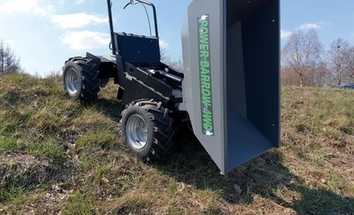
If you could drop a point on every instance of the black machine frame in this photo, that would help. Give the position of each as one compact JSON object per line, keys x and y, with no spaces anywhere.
{"x":232,"y":82}
{"x":139,"y":71}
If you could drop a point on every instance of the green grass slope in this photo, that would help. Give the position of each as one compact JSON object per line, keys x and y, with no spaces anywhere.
{"x":59,"y":157}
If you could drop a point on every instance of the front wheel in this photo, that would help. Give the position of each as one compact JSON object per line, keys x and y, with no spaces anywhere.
{"x":81,"y":79}
{"x":147,"y":130}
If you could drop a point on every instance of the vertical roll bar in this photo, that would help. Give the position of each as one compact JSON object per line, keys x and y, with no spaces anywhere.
{"x":113,"y":41}
{"x":110,"y":17}
{"x":155,"y":14}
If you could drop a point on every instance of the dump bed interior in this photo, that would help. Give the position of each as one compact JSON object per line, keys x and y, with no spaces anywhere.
{"x":231,"y":91}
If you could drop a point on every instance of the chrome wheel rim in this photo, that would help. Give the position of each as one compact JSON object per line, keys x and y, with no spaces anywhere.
{"x":136,"y":131}
{"x":72,"y":82}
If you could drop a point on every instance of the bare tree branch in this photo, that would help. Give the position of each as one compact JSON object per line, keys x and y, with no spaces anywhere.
{"x":302,"y":55}
{"x":8,"y":61}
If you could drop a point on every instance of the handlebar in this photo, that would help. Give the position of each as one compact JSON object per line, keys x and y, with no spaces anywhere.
{"x":144,"y":2}
{"x":132,"y":2}
{"x":139,"y":1}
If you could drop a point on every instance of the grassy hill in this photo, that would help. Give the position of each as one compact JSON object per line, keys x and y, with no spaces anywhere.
{"x":57,"y":156}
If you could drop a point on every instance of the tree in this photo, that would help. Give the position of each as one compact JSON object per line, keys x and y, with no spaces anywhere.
{"x":341,"y":59}
{"x":322,"y":75}
{"x":351,"y":65}
{"x":8,"y":61}
{"x":348,"y":64}
{"x":302,"y":55}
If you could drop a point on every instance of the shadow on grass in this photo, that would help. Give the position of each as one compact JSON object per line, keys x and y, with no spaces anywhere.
{"x":110,"y":108}
{"x":264,"y":176}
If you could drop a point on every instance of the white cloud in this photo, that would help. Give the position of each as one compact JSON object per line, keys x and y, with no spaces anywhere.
{"x":284,"y":35}
{"x":8,"y":42}
{"x":304,"y":27}
{"x":80,"y":1}
{"x":77,"y":40}
{"x":86,"y":40}
{"x":309,"y":26}
{"x":163,"y":44}
{"x":77,"y":20}
{"x":46,"y":8}
{"x":33,"y":7}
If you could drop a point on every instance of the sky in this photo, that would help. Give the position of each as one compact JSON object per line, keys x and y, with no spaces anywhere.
{"x":44,"y":33}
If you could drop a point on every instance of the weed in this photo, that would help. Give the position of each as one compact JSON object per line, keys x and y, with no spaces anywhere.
{"x":100,"y":173}
{"x":134,"y":203}
{"x":48,"y":149}
{"x":78,"y":204}
{"x":336,"y":182}
{"x":104,"y":139}
{"x":9,"y":144}
{"x":12,"y":193}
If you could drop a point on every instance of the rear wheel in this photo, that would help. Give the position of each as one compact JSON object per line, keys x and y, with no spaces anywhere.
{"x":81,"y":79}
{"x":147,"y":129}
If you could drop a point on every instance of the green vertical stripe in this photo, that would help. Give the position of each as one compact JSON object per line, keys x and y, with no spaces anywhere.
{"x":205,"y":77}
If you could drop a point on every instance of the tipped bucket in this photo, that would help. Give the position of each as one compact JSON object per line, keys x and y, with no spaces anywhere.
{"x":231,"y":87}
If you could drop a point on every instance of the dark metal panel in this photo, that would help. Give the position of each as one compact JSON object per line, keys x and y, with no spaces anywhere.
{"x":134,"y":91}
{"x":262,"y":65}
{"x":138,"y":49}
{"x":252,"y":79}
{"x":150,"y":81}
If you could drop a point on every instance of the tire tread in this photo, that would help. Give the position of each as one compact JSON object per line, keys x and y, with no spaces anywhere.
{"x":163,"y":132}
{"x":89,"y":69}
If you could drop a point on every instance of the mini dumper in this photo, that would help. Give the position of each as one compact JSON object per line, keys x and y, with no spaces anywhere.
{"x":228,"y":90}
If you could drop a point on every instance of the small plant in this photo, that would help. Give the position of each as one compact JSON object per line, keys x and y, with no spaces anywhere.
{"x":9,"y":144}
{"x":102,"y":139}
{"x":48,"y":149}
{"x":78,"y":204}
{"x":11,"y":192}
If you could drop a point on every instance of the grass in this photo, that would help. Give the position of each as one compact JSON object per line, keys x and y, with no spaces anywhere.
{"x":78,"y":204}
{"x":61,"y":157}
{"x":134,"y":203}
{"x":8,"y":144}
{"x":48,"y":149}
{"x":12,"y":193}
{"x":100,"y":138}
